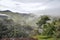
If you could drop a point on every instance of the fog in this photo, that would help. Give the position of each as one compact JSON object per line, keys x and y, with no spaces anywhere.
{"x":38,"y":7}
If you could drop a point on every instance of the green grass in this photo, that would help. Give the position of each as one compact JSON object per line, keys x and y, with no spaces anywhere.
{"x":40,"y":37}
{"x":50,"y":39}
{"x":47,"y":39}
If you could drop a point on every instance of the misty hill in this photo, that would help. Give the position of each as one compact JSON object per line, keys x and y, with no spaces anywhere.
{"x":21,"y":18}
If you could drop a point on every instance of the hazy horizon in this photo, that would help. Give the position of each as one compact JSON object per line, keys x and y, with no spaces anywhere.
{"x":50,"y":7}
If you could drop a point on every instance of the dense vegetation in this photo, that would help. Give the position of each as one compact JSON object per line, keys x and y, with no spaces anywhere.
{"x":10,"y":29}
{"x":43,"y":27}
{"x":50,"y":27}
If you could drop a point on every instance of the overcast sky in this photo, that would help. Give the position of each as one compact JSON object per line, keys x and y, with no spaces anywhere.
{"x":31,"y":6}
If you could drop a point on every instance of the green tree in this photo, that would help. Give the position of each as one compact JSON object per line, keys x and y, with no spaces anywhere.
{"x":42,"y":20}
{"x":49,"y":29}
{"x":5,"y":28}
{"x":57,"y":25}
{"x":47,"y":26}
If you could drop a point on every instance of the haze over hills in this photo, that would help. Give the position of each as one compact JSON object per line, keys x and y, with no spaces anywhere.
{"x":27,"y":18}
{"x":31,"y":6}
{"x":22,"y":18}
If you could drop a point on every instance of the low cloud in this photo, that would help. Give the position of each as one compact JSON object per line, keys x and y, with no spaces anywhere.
{"x":27,"y":6}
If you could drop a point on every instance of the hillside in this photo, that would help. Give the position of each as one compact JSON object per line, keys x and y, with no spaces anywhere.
{"x":22,"y":18}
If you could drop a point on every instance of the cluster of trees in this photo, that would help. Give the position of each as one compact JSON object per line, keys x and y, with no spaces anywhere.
{"x":10,"y":29}
{"x":50,"y":27}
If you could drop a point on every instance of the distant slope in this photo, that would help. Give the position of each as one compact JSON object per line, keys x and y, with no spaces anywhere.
{"x":22,"y":18}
